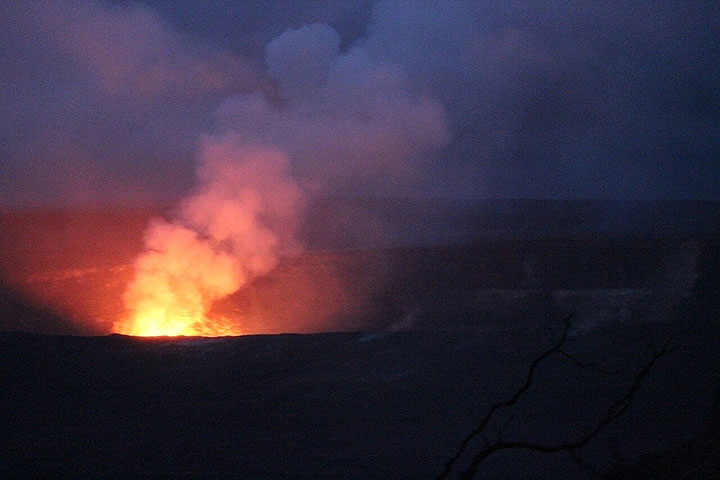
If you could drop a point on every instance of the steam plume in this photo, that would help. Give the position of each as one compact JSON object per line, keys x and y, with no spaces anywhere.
{"x":225,"y":234}
{"x":343,"y":116}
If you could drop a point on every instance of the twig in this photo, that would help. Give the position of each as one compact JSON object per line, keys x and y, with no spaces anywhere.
{"x":507,"y":403}
{"x":590,"y":365}
{"x":614,"y":411}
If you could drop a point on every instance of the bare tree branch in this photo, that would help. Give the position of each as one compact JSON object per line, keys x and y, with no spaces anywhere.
{"x":590,"y":365}
{"x":507,"y":403}
{"x":613,"y":412}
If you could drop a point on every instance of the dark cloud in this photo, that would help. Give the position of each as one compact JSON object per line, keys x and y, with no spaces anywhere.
{"x":567,"y":99}
{"x":347,"y":119}
{"x":542,"y":99}
{"x":104,"y":103}
{"x":339,"y":118}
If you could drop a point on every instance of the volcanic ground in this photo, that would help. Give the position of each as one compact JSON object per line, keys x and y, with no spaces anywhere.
{"x":449,"y":325}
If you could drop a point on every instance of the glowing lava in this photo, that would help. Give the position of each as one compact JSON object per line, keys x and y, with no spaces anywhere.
{"x":224,"y":235}
{"x":161,"y":313}
{"x":157,"y":322}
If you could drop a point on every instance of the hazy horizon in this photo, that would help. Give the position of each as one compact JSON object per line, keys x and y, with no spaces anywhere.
{"x":109,"y":102}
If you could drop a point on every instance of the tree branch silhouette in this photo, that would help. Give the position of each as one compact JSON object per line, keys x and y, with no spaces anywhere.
{"x":507,"y":403}
{"x":614,"y":411}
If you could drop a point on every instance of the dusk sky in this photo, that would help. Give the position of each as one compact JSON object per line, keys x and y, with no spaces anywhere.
{"x":115,"y":102}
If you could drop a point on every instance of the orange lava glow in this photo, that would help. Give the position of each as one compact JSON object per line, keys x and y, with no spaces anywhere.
{"x":162,"y":313}
{"x":160,"y":322}
{"x":163,"y":300}
{"x":227,"y":233}
{"x":176,"y":282}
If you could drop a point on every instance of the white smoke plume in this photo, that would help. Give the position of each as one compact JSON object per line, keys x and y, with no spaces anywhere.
{"x":231,"y":230}
{"x":340,"y":118}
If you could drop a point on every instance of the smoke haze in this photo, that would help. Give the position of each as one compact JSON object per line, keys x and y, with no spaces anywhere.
{"x":242,"y":114}
{"x":343,"y":116}
{"x":103,"y":102}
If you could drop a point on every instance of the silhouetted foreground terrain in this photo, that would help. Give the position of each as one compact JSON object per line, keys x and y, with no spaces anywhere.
{"x":455,"y":330}
{"x":349,"y":405}
{"x":370,"y":405}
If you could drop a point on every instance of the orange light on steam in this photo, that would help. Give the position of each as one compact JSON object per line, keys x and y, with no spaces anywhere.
{"x":175,"y":283}
{"x":156,"y":322}
{"x":228,"y":232}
